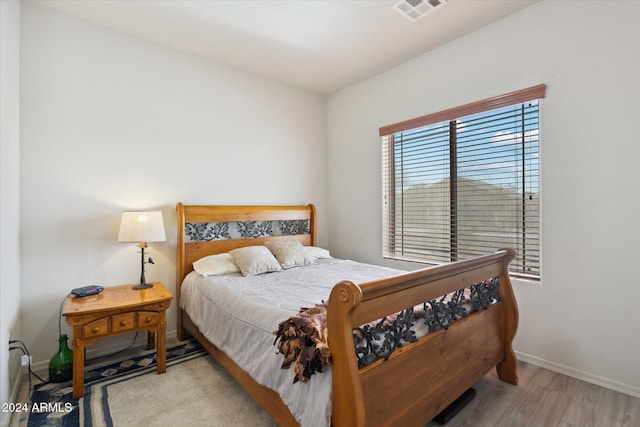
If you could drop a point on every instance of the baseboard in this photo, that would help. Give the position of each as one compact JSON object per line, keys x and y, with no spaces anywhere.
{"x":5,"y":417}
{"x":581,"y":375}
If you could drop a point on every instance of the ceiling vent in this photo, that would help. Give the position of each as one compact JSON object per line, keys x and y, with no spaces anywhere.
{"x":416,"y":9}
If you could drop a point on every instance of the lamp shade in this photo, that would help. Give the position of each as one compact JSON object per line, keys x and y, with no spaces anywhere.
{"x":141,"y":227}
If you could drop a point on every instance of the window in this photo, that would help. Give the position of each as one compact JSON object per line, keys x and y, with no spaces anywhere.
{"x":465,"y":182}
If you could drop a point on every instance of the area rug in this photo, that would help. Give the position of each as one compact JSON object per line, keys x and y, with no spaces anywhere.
{"x":194,"y":391}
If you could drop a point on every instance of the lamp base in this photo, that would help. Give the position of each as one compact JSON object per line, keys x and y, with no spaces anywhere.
{"x":142,"y":286}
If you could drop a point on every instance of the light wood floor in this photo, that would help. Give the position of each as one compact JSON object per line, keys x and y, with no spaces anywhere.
{"x":544,"y":398}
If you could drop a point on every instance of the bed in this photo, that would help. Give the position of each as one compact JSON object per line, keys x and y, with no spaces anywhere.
{"x":408,"y":385}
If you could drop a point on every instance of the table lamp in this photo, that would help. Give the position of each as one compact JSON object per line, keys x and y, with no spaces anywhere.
{"x":142,"y":227}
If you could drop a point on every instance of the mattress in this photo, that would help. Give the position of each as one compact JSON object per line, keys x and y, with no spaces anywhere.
{"x":239,"y":315}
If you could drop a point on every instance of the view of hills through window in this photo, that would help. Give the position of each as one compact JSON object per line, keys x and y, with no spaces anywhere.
{"x":462,"y":188}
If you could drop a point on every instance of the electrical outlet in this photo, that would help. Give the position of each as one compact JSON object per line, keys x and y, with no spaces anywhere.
{"x":8,"y":345}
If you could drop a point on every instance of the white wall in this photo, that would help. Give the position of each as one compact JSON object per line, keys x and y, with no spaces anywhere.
{"x":9,"y":197}
{"x":582,"y":318}
{"x":111,"y":122}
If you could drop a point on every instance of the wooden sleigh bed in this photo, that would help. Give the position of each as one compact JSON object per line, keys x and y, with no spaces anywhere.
{"x":419,"y":379}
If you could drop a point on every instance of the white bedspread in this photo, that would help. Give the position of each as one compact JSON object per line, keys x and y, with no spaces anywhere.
{"x":239,"y":315}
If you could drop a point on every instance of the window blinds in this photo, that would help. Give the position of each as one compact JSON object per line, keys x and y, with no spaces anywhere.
{"x":465,"y":186}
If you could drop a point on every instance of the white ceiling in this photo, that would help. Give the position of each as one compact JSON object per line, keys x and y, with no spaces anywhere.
{"x":320,"y":45}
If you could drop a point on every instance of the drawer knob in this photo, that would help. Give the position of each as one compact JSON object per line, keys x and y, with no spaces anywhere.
{"x":147,"y":319}
{"x":123,"y":322}
{"x":95,"y":330}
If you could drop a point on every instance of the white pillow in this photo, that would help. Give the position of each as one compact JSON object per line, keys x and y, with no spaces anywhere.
{"x":253,"y":260}
{"x":215,"y":265}
{"x":315,"y":252}
{"x":289,"y":253}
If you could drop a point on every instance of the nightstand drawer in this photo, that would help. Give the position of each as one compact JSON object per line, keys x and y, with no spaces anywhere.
{"x":96,"y":328}
{"x":147,"y":318}
{"x":123,"y":322}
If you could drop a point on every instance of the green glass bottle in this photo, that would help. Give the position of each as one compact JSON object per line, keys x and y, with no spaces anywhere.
{"x":61,"y":364}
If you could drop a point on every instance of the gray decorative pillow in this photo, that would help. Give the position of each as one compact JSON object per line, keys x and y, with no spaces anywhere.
{"x":289,"y":253}
{"x":254,"y":260}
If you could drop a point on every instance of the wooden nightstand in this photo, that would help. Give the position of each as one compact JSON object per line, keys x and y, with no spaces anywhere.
{"x":117,"y":310}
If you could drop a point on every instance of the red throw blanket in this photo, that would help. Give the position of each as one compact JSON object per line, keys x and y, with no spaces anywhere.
{"x":302,"y":339}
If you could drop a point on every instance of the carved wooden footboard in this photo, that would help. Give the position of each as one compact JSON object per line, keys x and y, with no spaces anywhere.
{"x":417,"y":380}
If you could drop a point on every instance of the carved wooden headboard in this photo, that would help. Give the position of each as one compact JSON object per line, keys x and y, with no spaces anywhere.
{"x":212,"y":229}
